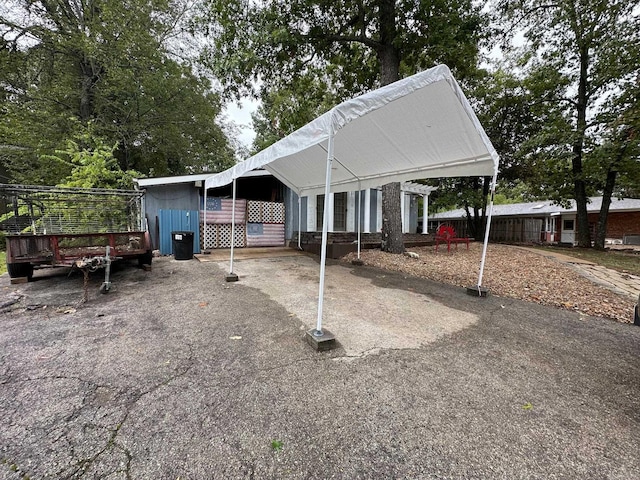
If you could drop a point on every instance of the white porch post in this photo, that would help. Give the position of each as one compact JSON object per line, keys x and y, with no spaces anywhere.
{"x":367,"y":210}
{"x":331,"y":198}
{"x":351,"y":212}
{"x":403,"y":211}
{"x":425,"y":213}
{"x":311,"y":213}
{"x":378,"y":227}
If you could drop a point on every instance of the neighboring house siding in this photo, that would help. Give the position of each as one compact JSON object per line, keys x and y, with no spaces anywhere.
{"x":620,"y":224}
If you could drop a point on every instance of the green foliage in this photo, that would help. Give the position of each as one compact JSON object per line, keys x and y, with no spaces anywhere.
{"x":277,"y":445}
{"x":116,"y":65}
{"x":581,"y":65}
{"x":284,"y":110}
{"x":93,"y":165}
{"x":278,"y":41}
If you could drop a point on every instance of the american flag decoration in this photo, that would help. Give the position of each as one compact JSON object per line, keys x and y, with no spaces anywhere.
{"x":265,"y":234}
{"x":220,"y":210}
{"x":258,"y":224}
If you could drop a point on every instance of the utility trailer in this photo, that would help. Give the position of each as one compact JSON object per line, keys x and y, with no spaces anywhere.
{"x":73,"y":227}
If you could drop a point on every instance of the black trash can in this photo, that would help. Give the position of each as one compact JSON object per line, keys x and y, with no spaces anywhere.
{"x":182,"y":243}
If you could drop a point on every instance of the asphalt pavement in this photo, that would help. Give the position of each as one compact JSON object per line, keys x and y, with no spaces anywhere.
{"x":178,"y":374}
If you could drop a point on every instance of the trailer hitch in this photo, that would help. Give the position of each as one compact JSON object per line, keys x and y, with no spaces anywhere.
{"x":91,"y":264}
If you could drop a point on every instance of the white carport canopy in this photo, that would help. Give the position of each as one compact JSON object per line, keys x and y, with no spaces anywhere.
{"x":419,"y":127}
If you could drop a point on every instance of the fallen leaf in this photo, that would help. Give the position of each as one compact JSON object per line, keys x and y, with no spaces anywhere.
{"x":203,"y":304}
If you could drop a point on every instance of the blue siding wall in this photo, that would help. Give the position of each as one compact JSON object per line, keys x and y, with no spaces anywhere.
{"x":181,"y":196}
{"x":178,"y":220}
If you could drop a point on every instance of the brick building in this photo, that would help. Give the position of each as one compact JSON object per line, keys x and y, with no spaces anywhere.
{"x":545,"y":222}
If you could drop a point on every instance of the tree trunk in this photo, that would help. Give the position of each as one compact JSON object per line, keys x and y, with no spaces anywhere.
{"x":580,"y":193}
{"x":607,"y":193}
{"x":389,"y":58}
{"x":88,"y":81}
{"x":601,"y":231}
{"x":392,"y":241}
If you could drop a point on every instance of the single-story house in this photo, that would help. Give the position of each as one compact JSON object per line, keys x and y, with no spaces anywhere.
{"x":544,"y":221}
{"x":267,"y":211}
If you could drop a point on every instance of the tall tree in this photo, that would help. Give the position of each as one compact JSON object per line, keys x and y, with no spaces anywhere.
{"x":358,"y":45}
{"x":582,"y":52}
{"x":113,"y":65}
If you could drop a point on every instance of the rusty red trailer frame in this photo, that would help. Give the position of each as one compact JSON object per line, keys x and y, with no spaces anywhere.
{"x":52,"y":226}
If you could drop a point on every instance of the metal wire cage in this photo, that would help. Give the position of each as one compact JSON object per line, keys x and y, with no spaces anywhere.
{"x":34,"y":209}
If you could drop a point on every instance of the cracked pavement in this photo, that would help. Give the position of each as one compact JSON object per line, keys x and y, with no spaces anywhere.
{"x":177,"y":374}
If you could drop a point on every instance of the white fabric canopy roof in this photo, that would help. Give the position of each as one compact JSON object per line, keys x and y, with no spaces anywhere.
{"x":419,"y":127}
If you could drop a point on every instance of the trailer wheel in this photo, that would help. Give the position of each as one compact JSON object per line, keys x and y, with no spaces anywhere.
{"x":145,"y":258}
{"x":20,"y":270}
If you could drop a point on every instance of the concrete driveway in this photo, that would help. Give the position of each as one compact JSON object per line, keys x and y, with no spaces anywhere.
{"x":177,"y":374}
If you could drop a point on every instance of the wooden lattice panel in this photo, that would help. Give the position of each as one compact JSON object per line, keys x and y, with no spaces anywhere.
{"x":211,"y":239}
{"x":278,"y":213}
{"x":224,"y":236}
{"x":254,"y":211}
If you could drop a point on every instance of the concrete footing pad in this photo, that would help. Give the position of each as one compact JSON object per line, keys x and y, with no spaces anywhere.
{"x":231,"y":277}
{"x":476,"y":291}
{"x":321,"y":341}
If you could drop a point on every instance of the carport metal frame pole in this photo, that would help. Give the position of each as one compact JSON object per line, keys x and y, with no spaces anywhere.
{"x":204,"y":240}
{"x":325,"y":235}
{"x":359,"y":205}
{"x":299,"y":220}
{"x":488,"y":227}
{"x":233,"y":225}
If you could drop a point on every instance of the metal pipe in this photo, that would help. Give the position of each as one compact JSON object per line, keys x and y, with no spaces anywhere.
{"x":325,"y":235}
{"x":486,"y":231}
{"x":233,"y":225}
{"x":299,"y":220}
{"x":359,"y":210}
{"x":205,"y":216}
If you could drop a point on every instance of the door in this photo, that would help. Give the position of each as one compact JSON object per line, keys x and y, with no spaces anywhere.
{"x":568,"y":232}
{"x":178,"y":220}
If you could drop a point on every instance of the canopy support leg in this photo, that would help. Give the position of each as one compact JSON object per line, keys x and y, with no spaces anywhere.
{"x":299,"y":221}
{"x":205,"y":219}
{"x":479,"y":290}
{"x":232,"y":277}
{"x":359,"y":202}
{"x":319,"y":339}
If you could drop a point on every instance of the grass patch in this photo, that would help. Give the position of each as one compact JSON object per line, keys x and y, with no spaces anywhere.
{"x":613,"y":259}
{"x":3,"y":262}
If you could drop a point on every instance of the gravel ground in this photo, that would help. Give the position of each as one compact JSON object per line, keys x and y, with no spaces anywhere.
{"x":509,"y":272}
